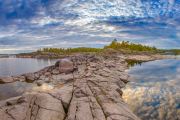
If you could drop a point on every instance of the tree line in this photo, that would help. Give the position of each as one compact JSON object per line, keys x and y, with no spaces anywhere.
{"x":69,"y":50}
{"x":132,"y":46}
{"x":114,"y":45}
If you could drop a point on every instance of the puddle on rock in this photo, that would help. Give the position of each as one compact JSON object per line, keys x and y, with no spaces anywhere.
{"x":19,"y":88}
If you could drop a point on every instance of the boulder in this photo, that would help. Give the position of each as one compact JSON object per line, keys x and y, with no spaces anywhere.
{"x":40,"y":82}
{"x":65,"y":66}
{"x":36,"y":76}
{"x":6,"y":79}
{"x":57,"y":64}
{"x":30,"y":76}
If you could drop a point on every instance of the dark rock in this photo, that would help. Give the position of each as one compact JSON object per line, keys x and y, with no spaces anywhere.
{"x":40,"y":82}
{"x":6,"y":79}
{"x":30,"y":76}
{"x":57,"y":64}
{"x":75,"y":68}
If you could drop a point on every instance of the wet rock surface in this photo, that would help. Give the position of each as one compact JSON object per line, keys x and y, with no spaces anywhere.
{"x":88,"y":87}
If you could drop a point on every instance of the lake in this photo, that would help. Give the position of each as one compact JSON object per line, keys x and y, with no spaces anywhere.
{"x":153,"y":92}
{"x":18,"y":66}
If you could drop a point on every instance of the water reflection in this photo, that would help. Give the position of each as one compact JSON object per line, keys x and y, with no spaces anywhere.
{"x":154,"y":90}
{"x":172,"y":55}
{"x":132,"y":63}
{"x":18,"y":88}
{"x":18,"y":66}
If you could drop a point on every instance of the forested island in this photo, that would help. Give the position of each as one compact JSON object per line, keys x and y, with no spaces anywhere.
{"x":125,"y":47}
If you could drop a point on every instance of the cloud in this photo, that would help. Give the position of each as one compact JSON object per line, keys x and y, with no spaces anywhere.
{"x":33,"y":22}
{"x":154,"y":95}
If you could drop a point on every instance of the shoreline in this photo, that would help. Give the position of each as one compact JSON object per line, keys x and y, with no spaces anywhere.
{"x":93,"y":80}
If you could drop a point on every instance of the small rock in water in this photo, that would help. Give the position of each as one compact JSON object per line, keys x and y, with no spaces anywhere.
{"x":40,"y":82}
{"x":6,"y":79}
{"x":30,"y":76}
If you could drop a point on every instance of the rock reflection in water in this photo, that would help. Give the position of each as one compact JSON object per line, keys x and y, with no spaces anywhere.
{"x":19,"y":88}
{"x":18,"y":66}
{"x":154,"y":90}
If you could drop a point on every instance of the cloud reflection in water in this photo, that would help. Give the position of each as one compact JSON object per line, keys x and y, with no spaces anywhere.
{"x":19,"y":88}
{"x":154,"y":90}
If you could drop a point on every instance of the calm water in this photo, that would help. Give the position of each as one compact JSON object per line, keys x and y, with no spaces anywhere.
{"x":19,"y":88}
{"x":172,"y":55}
{"x":178,"y":56}
{"x":154,"y":90}
{"x":18,"y":66}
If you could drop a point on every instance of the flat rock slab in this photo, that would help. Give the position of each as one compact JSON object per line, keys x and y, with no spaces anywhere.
{"x":32,"y":106}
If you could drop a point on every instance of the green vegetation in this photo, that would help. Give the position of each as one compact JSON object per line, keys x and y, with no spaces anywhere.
{"x":175,"y":52}
{"x":69,"y":50}
{"x":125,"y":46}
{"x":170,"y":50}
{"x":131,"y":46}
{"x":131,"y":63}
{"x":98,"y":100}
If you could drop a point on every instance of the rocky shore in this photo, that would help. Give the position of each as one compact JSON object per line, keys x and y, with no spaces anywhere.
{"x":41,"y":55}
{"x":88,"y":87}
{"x":4,"y":56}
{"x":137,"y":56}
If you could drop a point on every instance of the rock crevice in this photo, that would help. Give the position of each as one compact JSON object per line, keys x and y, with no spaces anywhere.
{"x":88,"y":87}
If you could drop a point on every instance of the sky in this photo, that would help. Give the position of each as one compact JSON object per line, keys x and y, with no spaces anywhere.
{"x":27,"y":25}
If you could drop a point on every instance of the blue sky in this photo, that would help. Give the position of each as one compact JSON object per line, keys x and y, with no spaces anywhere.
{"x":27,"y":25}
